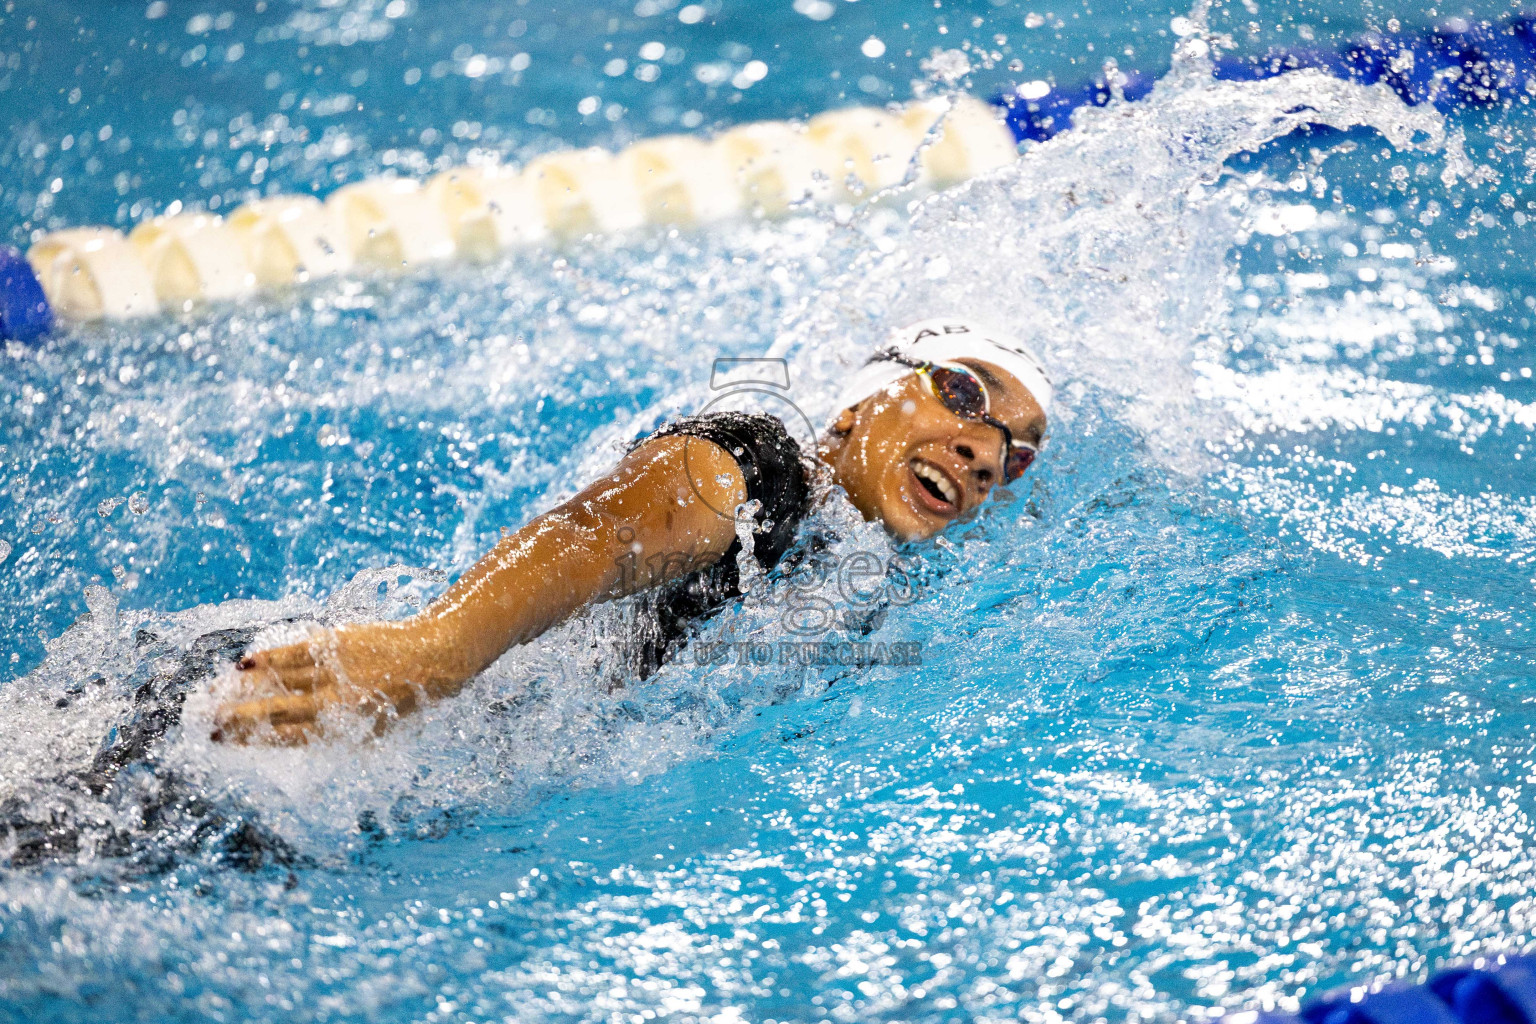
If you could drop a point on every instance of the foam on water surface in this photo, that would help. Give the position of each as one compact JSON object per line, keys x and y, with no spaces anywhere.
{"x":1221,"y":704}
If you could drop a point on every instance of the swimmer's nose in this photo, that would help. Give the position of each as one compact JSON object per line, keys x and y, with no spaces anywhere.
{"x":982,"y":470}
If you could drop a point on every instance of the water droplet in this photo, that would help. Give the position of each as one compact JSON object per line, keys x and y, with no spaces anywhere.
{"x":108,"y":506}
{"x":5,"y":550}
{"x":137,"y":503}
{"x":102,"y":604}
{"x":947,"y":66}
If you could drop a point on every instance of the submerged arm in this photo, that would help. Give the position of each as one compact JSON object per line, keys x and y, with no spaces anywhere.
{"x":652,"y":519}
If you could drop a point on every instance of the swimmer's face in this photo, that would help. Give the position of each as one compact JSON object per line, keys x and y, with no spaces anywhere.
{"x":908,"y":461}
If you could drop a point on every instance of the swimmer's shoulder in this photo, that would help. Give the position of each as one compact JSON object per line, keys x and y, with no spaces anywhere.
{"x":772,"y":465}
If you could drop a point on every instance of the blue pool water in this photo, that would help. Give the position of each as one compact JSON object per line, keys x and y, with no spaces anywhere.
{"x":1229,"y":703}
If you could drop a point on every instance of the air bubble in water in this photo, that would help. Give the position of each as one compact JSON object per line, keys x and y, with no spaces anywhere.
{"x":108,"y":506}
{"x":137,"y":503}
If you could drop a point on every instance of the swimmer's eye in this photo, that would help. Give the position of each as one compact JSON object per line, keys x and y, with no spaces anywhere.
{"x":1020,"y":455}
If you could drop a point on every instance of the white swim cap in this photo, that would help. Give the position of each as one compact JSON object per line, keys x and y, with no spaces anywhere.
{"x":944,"y":340}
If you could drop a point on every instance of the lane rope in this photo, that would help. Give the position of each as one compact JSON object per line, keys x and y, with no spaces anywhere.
{"x":170,"y":264}
{"x":475,"y":213}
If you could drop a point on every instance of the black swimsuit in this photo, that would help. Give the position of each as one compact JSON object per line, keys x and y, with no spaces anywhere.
{"x":773,"y":469}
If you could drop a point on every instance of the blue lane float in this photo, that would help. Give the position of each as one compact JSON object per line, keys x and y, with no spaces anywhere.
{"x":24,"y":311}
{"x":1036,"y":112}
{"x":1457,"y":65}
{"x":1496,"y":994}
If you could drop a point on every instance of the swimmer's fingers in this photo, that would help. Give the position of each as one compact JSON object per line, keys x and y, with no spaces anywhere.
{"x":293,"y":668}
{"x":299,"y":680}
{"x":293,"y":718}
{"x":296,"y":735}
{"x":278,"y":658}
{"x":292,"y":729}
{"x":289,"y":710}
{"x":288,"y":715}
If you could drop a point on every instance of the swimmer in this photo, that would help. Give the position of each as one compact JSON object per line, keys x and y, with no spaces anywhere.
{"x":924,"y":431}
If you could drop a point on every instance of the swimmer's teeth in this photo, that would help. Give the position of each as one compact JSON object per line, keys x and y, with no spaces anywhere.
{"x":938,"y":480}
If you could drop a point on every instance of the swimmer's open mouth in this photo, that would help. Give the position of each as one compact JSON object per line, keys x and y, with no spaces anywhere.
{"x":935,"y":489}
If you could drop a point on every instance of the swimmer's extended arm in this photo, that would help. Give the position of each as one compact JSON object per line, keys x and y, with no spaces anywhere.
{"x":652,"y":519}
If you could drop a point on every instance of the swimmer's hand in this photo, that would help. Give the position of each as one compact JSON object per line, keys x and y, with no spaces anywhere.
{"x":378,"y":671}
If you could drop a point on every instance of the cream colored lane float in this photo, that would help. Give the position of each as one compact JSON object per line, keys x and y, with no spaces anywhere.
{"x":288,"y":240}
{"x":192,"y":257}
{"x":489,"y":210}
{"x":865,"y":149}
{"x":476,"y":213}
{"x":967,"y":139}
{"x":775,"y":166}
{"x":93,"y":273}
{"x":677,"y":180}
{"x":391,"y":223}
